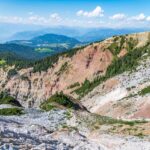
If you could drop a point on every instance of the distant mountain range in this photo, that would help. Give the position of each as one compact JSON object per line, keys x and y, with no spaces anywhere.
{"x":11,"y":32}
{"x":81,"y":34}
{"x":97,"y":34}
{"x":43,"y":42}
{"x":60,"y":30}
{"x":40,"y":46}
{"x":49,"y":40}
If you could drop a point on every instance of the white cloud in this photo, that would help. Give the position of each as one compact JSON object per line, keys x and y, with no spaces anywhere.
{"x":121,"y":20}
{"x":11,"y":19}
{"x":118,"y":16}
{"x":140,"y":17}
{"x":35,"y":19}
{"x":80,"y":13}
{"x":148,"y":18}
{"x":55,"y":16}
{"x":97,"y":12}
{"x":32,"y":19}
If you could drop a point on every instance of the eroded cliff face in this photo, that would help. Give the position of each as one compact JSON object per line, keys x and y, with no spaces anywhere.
{"x":32,"y":88}
{"x":88,"y":63}
{"x":119,"y":97}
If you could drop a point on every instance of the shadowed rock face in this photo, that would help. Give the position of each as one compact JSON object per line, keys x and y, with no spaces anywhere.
{"x":88,"y":63}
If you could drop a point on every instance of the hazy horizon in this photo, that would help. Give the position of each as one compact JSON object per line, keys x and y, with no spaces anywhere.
{"x":19,"y":16}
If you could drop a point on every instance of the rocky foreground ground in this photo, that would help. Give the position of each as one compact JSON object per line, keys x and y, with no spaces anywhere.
{"x":65,"y":130}
{"x":123,"y":97}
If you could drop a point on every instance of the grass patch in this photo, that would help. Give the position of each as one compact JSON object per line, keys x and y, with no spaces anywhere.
{"x":2,"y":62}
{"x":109,"y":120}
{"x":114,"y":48}
{"x":68,"y":114}
{"x":88,"y":86}
{"x":140,"y":135}
{"x":145,"y":91}
{"x":74,"y":85}
{"x":7,"y":99}
{"x":94,"y":119}
{"x":44,"y":50}
{"x":11,"y":111}
{"x":47,"y":106}
{"x":117,"y":45}
{"x":59,"y":99}
{"x":63,"y":68}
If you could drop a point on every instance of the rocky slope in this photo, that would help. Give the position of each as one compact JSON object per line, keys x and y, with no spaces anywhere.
{"x":69,"y":72}
{"x":66,"y":130}
{"x":120,"y":96}
{"x":112,"y":80}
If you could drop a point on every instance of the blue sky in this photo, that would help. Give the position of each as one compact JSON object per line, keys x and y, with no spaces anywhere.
{"x":87,"y":13}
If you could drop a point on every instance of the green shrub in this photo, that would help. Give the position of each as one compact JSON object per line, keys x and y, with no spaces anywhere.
{"x":7,"y":99}
{"x":11,"y":111}
{"x":117,"y":45}
{"x":74,"y":85}
{"x":140,"y":135}
{"x":145,"y":91}
{"x":25,"y":78}
{"x":60,"y":99}
{"x":2,"y":62}
{"x":131,"y":43}
{"x":122,"y":41}
{"x":114,"y":48}
{"x":88,"y":86}
{"x":47,"y":106}
{"x":63,"y":68}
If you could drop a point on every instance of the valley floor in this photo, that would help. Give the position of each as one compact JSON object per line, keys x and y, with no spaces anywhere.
{"x":62,"y":130}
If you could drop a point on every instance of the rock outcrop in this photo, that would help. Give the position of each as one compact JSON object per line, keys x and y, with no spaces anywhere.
{"x":119,"y":97}
{"x":88,"y":63}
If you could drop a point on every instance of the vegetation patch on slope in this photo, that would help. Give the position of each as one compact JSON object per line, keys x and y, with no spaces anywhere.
{"x":2,"y":62}
{"x":58,"y":100}
{"x":11,"y":111}
{"x":95,"y":121}
{"x":145,"y":91}
{"x":7,"y":99}
{"x":12,"y":59}
{"x":119,"y":65}
{"x":74,"y":85}
{"x":64,"y":68}
{"x":44,"y":49}
{"x":44,"y":64}
{"x":109,"y":120}
{"x":121,"y":42}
